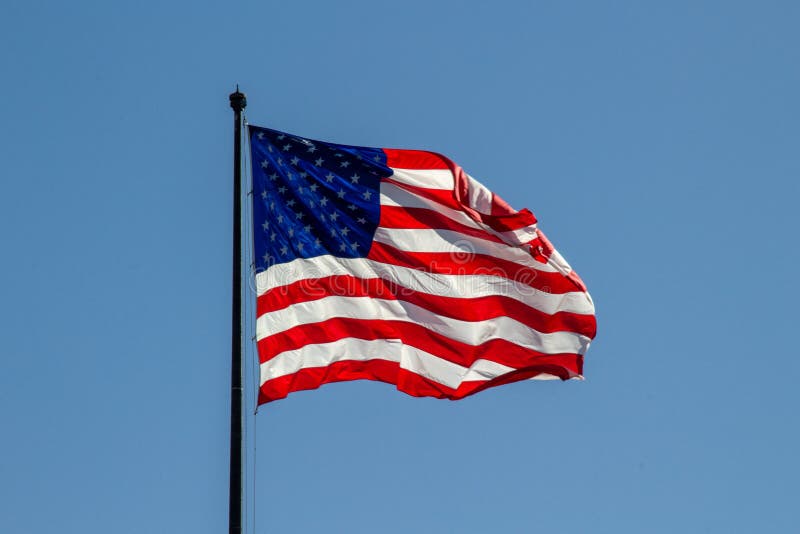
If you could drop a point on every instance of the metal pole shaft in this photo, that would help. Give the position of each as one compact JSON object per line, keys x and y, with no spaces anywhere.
{"x":238,"y":103}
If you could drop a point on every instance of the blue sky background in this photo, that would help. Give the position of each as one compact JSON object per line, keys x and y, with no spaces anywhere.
{"x":658,"y":144}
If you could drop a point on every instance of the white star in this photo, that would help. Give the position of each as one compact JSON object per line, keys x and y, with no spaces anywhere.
{"x":295,"y":160}
{"x":280,"y":162}
{"x":362,"y":220}
{"x":280,"y":219}
{"x":330,"y":177}
{"x":307,"y":228}
{"x":367,"y":194}
{"x":340,"y":194}
{"x":342,"y":247}
{"x":338,"y":155}
{"x":334,"y":216}
{"x":377,"y":158}
{"x":291,"y":231}
{"x":317,"y":242}
{"x":291,"y":203}
{"x":301,"y":189}
{"x":264,"y":194}
{"x":312,"y":149}
{"x":314,"y":187}
{"x":304,"y":174}
{"x":345,"y":230}
{"x":266,"y":258}
{"x":312,"y":204}
{"x":284,"y":250}
{"x":322,"y":217}
{"x":282,"y":189}
{"x":272,"y":206}
{"x":287,"y":147}
{"x":299,"y":215}
{"x":345,"y":164}
{"x":351,"y":207}
{"x":300,"y":246}
{"x":333,"y":232}
{"x":354,"y":179}
{"x":261,"y":135}
{"x":281,"y":137}
{"x":354,"y":245}
{"x":264,"y":164}
{"x":272,"y":236}
{"x":290,"y":176}
{"x":265,"y":226}
{"x":269,"y":147}
{"x":323,"y":201}
{"x":319,"y":162}
{"x":273,"y":176}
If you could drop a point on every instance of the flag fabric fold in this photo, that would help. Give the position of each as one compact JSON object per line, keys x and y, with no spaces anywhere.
{"x":397,"y":266}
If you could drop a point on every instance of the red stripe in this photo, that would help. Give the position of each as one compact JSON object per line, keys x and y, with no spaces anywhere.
{"x":505,"y":223}
{"x":453,"y":200}
{"x":500,"y":206}
{"x":539,"y":245}
{"x":464,"y":309}
{"x":391,"y":373}
{"x":313,"y":377}
{"x":423,"y":218}
{"x":415,"y":159}
{"x":415,"y":335}
{"x":475,"y":264}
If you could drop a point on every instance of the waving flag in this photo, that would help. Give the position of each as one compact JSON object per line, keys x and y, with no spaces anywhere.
{"x":397,"y":266}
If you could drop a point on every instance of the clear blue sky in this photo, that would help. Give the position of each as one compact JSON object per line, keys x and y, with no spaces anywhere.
{"x":658,"y":144}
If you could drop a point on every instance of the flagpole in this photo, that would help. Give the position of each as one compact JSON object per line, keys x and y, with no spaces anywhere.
{"x":238,"y":103}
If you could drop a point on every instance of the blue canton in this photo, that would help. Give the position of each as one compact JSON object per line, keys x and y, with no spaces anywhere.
{"x":312,"y":198}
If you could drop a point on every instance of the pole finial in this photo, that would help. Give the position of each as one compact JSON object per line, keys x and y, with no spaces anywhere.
{"x":238,"y":100}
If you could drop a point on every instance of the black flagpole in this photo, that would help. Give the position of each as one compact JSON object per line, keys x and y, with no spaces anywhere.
{"x":238,"y":103}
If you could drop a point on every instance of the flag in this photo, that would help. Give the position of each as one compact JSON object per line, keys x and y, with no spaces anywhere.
{"x":397,"y":266}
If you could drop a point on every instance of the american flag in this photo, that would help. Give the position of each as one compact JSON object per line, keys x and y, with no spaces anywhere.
{"x":397,"y":266}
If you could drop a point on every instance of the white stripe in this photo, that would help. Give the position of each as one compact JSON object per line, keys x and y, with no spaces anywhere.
{"x":520,"y":236}
{"x":456,"y":243}
{"x":410,"y":358}
{"x":480,"y":198}
{"x":394,"y":195}
{"x":446,"y":285}
{"x":469,"y":332}
{"x":427,"y":178}
{"x":323,"y":354}
{"x":558,"y":262}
